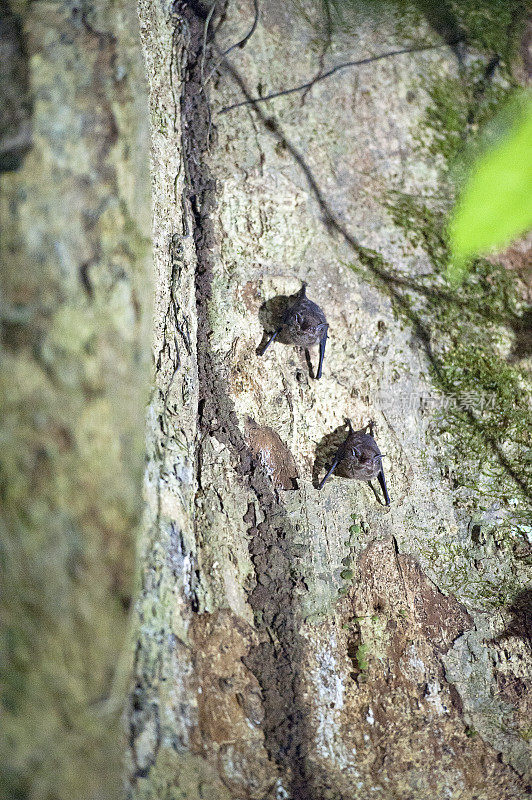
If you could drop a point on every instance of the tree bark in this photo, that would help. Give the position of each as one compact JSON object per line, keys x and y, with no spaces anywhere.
{"x":285,"y":642}
{"x":75,"y":314}
{"x":293,"y":642}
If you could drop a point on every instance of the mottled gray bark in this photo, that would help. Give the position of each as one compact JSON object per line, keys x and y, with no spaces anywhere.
{"x":285,"y":642}
{"x":291,"y":642}
{"x":75,"y":314}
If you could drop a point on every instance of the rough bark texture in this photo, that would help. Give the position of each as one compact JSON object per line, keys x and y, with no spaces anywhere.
{"x":75,"y":322}
{"x":290,"y":642}
{"x":286,"y":642}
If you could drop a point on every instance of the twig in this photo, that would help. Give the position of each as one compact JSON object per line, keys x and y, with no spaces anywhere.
{"x":374,"y":265}
{"x":240,"y":44}
{"x":243,"y":42}
{"x":272,"y":126}
{"x":346,"y":65}
{"x":204,"y":47}
{"x":202,"y":67}
{"x":325,"y":49}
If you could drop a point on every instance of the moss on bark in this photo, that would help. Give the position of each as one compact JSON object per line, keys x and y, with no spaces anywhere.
{"x":75,"y":314}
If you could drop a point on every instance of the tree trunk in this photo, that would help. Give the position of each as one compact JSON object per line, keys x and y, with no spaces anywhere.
{"x":75,"y":314}
{"x":285,"y":642}
{"x":294,"y":642}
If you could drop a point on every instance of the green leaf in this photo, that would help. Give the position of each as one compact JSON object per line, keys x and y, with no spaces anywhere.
{"x":496,"y":203}
{"x":346,"y":574}
{"x":361,"y":654}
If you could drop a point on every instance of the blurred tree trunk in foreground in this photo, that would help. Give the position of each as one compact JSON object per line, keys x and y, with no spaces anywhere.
{"x":286,"y":643}
{"x":75,"y":314}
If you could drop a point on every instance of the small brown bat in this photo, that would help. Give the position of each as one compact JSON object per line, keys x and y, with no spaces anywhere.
{"x":359,"y":457}
{"x":304,"y":324}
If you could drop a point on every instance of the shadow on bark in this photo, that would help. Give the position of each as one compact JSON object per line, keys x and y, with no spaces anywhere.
{"x":520,"y":625}
{"x":16,"y":103}
{"x":277,"y":660}
{"x":326,"y":450}
{"x":375,"y":269}
{"x":271,"y":315}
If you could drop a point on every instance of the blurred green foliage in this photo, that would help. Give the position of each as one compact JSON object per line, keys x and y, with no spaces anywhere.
{"x":496,"y":203}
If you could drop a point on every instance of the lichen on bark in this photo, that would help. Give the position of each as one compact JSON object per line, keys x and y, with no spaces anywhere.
{"x":75,"y":313}
{"x":329,"y":632}
{"x":285,"y":642}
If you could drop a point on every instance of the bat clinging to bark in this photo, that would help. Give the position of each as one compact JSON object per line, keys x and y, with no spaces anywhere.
{"x":304,"y":324}
{"x":359,"y":457}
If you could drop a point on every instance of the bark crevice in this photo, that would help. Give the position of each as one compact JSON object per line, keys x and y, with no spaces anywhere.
{"x":275,"y":660}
